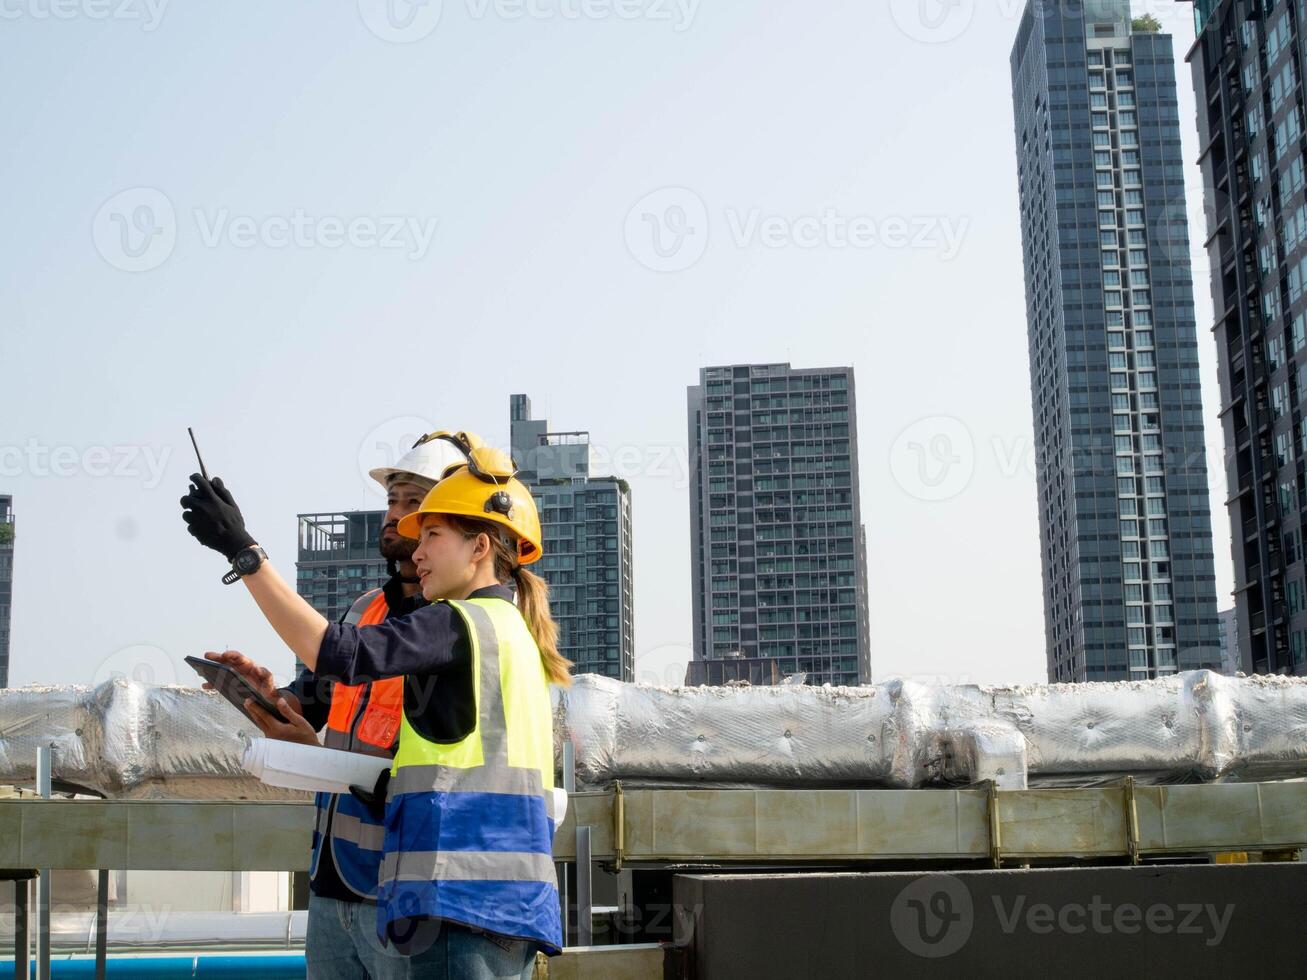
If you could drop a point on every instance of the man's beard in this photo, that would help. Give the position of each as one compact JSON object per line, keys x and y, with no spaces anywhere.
{"x":397,"y":548}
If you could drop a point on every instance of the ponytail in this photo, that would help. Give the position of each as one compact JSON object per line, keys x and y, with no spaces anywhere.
{"x":532,"y":595}
{"x":533,"y":600}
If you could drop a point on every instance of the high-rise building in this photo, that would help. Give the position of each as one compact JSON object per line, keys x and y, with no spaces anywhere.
{"x":778,"y":548}
{"x":586,"y":521}
{"x":6,"y":581}
{"x":338,"y":559}
{"x":1231,"y":659}
{"x":1125,"y":523}
{"x":1246,"y":67}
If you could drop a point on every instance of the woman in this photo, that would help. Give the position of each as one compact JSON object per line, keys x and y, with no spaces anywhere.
{"x":467,"y":880}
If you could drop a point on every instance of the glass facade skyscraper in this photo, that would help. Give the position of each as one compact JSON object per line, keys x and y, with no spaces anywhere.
{"x":338,"y":559}
{"x":1125,"y":522}
{"x":778,"y":547}
{"x":6,"y":582}
{"x":587,"y":559}
{"x":1247,"y":73}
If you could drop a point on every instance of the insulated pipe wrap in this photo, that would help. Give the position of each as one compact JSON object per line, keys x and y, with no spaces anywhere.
{"x":128,"y":740}
{"x":1195,"y":726}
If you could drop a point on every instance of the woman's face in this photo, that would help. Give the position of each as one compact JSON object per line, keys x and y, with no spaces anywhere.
{"x":447,"y":559}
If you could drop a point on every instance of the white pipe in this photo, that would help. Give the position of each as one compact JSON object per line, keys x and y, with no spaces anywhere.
{"x":44,"y":788}
{"x":149,"y":927}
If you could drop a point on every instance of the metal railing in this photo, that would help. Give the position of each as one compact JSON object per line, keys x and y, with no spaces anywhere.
{"x":677,"y":827}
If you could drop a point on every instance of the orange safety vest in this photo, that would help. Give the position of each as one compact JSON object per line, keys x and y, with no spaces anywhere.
{"x":363,"y":718}
{"x":382,"y":709}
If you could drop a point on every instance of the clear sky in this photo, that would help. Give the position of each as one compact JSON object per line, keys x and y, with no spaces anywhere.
{"x":310,"y":230}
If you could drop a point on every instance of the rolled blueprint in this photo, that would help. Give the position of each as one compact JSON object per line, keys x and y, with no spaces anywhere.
{"x":291,"y":765}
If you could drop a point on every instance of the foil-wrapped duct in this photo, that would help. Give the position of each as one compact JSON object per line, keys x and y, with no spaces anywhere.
{"x":1195,"y":726}
{"x":129,"y":740}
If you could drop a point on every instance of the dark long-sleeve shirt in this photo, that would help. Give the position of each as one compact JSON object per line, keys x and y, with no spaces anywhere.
{"x":314,"y":691}
{"x":313,"y":688}
{"x":429,"y":648}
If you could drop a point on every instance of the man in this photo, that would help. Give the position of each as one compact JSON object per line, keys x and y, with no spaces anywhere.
{"x":347,"y":839}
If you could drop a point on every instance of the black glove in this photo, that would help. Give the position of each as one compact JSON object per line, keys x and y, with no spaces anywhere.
{"x":374,"y":799}
{"x":212,"y":517}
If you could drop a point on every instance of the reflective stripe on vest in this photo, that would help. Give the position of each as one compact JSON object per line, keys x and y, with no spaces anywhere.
{"x":469,"y":825}
{"x":364,"y":718}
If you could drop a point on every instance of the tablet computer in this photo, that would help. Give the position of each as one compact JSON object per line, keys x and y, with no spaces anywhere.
{"x":232,"y":686}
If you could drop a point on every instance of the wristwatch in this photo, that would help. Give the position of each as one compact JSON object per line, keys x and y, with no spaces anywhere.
{"x":246,"y":562}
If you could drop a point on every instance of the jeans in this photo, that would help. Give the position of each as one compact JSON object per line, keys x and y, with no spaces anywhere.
{"x":441,"y":951}
{"x":342,"y":944}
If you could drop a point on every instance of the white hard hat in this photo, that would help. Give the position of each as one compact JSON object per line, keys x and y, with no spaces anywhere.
{"x":427,"y":460}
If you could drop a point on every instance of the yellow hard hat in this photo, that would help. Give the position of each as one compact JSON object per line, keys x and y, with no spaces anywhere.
{"x":484,"y":489}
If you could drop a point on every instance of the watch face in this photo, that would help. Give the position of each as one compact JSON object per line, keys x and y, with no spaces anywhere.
{"x":247,"y":561}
